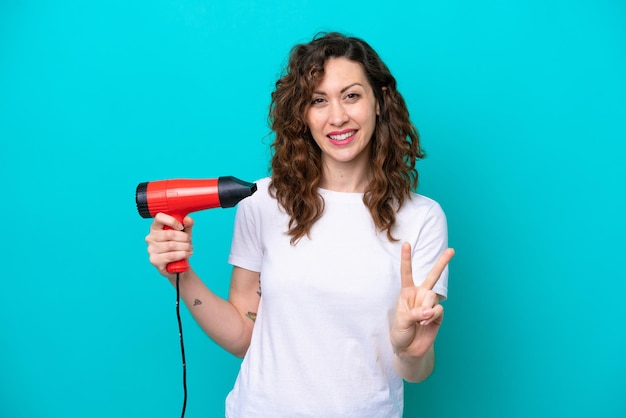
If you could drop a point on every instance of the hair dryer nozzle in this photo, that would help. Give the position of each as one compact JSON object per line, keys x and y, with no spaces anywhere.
{"x":232,"y":190}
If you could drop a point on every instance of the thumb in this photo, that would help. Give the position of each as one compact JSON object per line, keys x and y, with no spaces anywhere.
{"x":188,"y":222}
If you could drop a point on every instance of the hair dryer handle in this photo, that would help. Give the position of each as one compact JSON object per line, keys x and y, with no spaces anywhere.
{"x":179,"y":266}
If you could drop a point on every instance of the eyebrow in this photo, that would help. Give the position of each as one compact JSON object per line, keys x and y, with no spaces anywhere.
{"x":343,"y":90}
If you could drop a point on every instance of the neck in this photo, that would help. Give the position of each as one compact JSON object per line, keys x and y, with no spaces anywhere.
{"x":345,"y":179}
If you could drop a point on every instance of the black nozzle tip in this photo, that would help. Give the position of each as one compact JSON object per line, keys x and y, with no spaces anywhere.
{"x":231,"y":190}
{"x":141,"y":198}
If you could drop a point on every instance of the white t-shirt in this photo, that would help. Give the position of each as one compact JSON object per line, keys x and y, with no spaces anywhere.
{"x":320,"y":345}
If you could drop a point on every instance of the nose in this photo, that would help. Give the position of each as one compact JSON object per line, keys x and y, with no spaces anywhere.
{"x":338,"y":115}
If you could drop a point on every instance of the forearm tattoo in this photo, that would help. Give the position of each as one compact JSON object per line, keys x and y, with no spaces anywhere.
{"x":252,"y":315}
{"x":197,"y":302}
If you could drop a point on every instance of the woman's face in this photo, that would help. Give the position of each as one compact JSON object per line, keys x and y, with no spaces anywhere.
{"x":342,"y":114}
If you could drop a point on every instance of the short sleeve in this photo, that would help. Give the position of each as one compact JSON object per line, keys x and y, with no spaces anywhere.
{"x":246,"y":249}
{"x":432,"y":241}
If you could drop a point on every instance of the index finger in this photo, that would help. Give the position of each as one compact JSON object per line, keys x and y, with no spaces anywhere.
{"x":162,"y":219}
{"x":406,"y":268}
{"x":435,"y":272}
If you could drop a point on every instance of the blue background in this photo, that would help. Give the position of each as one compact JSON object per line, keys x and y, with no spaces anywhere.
{"x":521,"y":108}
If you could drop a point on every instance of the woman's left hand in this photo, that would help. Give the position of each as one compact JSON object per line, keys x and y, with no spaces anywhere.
{"x":418,"y":314}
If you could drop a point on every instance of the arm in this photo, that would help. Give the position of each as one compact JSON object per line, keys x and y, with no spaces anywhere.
{"x":228,"y":322}
{"x":415,"y":369}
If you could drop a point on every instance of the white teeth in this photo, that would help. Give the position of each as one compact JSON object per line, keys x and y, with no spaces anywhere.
{"x":342,"y":137}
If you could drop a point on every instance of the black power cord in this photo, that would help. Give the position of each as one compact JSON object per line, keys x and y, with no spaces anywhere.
{"x":182,"y":344}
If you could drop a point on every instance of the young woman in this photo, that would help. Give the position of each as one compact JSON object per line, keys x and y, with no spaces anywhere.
{"x":339,"y":267}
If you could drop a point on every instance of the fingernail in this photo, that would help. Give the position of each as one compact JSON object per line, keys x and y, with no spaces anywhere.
{"x":427,"y":312}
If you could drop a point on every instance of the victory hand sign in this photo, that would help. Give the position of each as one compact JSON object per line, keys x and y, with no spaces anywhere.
{"x":418,"y":318}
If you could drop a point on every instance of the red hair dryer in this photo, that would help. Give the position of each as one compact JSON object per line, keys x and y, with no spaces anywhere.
{"x":182,"y":196}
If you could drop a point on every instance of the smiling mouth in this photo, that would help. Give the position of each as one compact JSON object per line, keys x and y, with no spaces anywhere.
{"x":343,"y":136}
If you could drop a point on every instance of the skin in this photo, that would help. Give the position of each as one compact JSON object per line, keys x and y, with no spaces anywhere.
{"x":417,"y":319}
{"x":342,"y":104}
{"x":228,"y":322}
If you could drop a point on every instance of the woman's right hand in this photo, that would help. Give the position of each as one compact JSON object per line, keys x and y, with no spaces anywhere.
{"x":168,"y":245}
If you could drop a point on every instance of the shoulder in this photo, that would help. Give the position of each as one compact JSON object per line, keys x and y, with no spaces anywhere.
{"x":261,"y":200}
{"x":260,"y":213}
{"x":419,"y":213}
{"x":261,"y":193}
{"x":420,"y":204}
{"x":264,"y":183}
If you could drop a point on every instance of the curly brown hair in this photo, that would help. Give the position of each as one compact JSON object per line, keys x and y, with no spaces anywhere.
{"x":296,"y":158}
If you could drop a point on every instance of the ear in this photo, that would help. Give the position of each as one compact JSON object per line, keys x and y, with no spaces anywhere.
{"x":384,"y":89}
